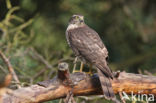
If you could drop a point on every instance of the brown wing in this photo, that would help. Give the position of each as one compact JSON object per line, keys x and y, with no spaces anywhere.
{"x":86,"y":42}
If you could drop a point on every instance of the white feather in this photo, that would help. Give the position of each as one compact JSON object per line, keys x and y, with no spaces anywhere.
{"x":72,"y":26}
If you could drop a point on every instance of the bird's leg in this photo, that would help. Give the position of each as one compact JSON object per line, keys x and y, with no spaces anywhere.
{"x":90,"y":69}
{"x":75,"y":61}
{"x":81,"y":67}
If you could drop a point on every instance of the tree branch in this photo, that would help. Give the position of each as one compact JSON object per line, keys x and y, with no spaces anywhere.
{"x":84,"y":85}
{"x":10,"y":68}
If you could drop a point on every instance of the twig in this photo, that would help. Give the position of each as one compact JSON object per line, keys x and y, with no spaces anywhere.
{"x":148,"y":73}
{"x":39,"y":73}
{"x":91,"y":98}
{"x":51,"y":73}
{"x":73,"y":100}
{"x":5,"y":71}
{"x":60,"y":101}
{"x":39,"y":57}
{"x":68,"y":97}
{"x":10,"y":68}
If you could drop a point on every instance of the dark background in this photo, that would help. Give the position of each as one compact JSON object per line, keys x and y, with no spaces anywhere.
{"x":32,"y":35}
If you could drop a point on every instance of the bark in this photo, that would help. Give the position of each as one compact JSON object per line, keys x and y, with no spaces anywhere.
{"x":80,"y":84}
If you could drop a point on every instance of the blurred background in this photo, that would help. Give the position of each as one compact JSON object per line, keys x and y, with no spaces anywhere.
{"x":32,"y":35}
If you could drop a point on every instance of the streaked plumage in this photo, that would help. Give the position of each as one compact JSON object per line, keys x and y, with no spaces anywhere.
{"x":87,"y":45}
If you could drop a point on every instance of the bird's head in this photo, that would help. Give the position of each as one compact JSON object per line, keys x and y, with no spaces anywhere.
{"x":76,"y":19}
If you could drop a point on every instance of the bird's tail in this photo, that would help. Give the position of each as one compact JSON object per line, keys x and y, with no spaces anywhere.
{"x":107,"y":87}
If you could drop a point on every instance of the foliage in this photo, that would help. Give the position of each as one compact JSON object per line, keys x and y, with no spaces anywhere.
{"x":32,"y":34}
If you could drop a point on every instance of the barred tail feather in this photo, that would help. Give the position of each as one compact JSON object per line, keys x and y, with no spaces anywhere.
{"x":107,"y":87}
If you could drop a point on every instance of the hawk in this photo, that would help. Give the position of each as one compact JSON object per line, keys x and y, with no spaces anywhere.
{"x":88,"y":46}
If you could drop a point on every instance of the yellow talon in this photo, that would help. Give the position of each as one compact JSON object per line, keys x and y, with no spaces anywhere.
{"x":74,"y":71}
{"x":81,"y":67}
{"x":74,"y":68}
{"x":90,"y":70}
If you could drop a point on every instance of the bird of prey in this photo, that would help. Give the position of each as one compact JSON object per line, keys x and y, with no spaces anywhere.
{"x":88,"y":46}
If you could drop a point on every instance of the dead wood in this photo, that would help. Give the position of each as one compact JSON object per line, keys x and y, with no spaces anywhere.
{"x":82,"y":85}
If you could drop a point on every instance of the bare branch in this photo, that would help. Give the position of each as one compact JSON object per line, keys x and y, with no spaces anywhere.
{"x":10,"y":68}
{"x":40,"y":58}
{"x":84,"y":85}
